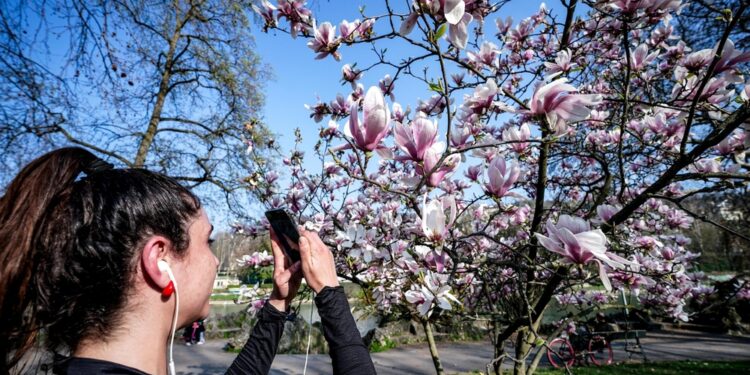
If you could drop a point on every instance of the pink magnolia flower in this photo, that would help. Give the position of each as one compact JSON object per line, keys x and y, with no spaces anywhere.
{"x":432,"y":106}
{"x":518,"y":137}
{"x":255,"y":260}
{"x":408,"y":24}
{"x":416,"y":138}
{"x":435,"y":223}
{"x":351,"y":75}
{"x":325,"y":41}
{"x":368,"y":132}
{"x":356,"y":94}
{"x":647,"y":242}
{"x":458,"y":78}
{"x":516,"y":36}
{"x":716,"y":91}
{"x":349,"y":30}
{"x":460,"y":134}
{"x":340,"y":107}
{"x":433,"y":291}
{"x":573,"y":239}
{"x":602,"y":138}
{"x":473,"y":172}
{"x":398,"y":113}
{"x":318,"y":111}
{"x":434,"y":258}
{"x":296,"y":14}
{"x":706,"y":166}
{"x":667,"y":253}
{"x":730,"y":58}
{"x":640,"y":57}
{"x":358,"y":242}
{"x":431,"y":158}
{"x":267,"y":12}
{"x":482,"y":99}
{"x":652,"y":7}
{"x":730,"y":144}
{"x":503,"y":25}
{"x":386,"y":86}
{"x":365,"y":28}
{"x":744,"y":293}
{"x":677,"y":219}
{"x":562,"y":63}
{"x":458,"y":33}
{"x":502,"y":175}
{"x":486,"y":56}
{"x":606,"y":211}
{"x":698,"y":59}
{"x":557,"y":101}
{"x":256,"y":306}
{"x":453,"y":10}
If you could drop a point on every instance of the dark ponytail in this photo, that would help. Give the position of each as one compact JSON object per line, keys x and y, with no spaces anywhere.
{"x":69,"y":232}
{"x":26,"y":200}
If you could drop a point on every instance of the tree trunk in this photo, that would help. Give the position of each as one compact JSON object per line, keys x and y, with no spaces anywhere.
{"x":161,"y":96}
{"x":499,"y":350}
{"x":522,"y":349}
{"x":525,"y":343}
{"x":540,"y":351}
{"x":433,"y":348}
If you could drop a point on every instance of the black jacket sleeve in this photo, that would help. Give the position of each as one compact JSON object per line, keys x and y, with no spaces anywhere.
{"x":348,"y":352}
{"x":257,"y":355}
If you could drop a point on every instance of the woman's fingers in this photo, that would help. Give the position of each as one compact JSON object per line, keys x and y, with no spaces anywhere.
{"x":317,"y":244}
{"x":287,"y":274}
{"x":275,"y":245}
{"x":279,"y":259}
{"x":305,"y":251}
{"x":317,"y":262}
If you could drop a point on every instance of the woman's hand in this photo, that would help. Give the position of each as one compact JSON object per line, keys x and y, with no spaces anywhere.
{"x":287,"y":277}
{"x":317,"y":262}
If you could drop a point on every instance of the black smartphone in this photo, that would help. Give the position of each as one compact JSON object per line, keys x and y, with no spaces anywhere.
{"x":286,"y":229}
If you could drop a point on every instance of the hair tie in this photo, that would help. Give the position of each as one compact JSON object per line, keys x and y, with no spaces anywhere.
{"x":98,"y":165}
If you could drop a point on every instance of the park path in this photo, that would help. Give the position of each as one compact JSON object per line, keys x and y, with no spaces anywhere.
{"x":464,"y":357}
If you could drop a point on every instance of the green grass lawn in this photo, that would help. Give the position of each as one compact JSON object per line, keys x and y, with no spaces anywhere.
{"x":661,"y":368}
{"x":223,"y":297}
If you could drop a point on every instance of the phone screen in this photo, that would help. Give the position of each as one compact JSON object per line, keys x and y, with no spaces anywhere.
{"x":286,"y":229}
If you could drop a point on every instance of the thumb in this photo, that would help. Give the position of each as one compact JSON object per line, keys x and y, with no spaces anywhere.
{"x":304,"y":251}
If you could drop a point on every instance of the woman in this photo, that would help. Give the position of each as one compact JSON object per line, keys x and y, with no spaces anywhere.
{"x":82,"y":254}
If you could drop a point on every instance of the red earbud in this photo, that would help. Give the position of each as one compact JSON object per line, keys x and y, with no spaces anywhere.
{"x":168,"y":290}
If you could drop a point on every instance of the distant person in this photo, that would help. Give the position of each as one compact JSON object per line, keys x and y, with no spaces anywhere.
{"x":93,"y":260}
{"x":187,"y":335}
{"x":201,"y":330}
{"x":192,"y":334}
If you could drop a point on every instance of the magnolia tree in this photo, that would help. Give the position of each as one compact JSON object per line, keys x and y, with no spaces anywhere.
{"x":553,"y":157}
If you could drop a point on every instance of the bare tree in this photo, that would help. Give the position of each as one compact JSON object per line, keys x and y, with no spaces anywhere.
{"x":702,"y":20}
{"x":170,"y":86}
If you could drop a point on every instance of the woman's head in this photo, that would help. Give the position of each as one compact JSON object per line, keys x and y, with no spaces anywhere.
{"x":77,"y":241}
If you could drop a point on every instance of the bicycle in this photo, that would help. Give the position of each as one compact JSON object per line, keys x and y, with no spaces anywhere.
{"x":580,"y":347}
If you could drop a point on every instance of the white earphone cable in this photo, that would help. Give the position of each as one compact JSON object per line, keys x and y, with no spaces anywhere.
{"x":309,"y":333}
{"x":174,"y":322}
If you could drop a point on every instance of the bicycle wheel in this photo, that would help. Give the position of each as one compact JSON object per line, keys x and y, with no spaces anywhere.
{"x":560,"y":353}
{"x":600,"y":351}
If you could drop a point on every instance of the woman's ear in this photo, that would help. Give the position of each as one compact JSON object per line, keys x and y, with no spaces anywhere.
{"x":154,"y":250}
